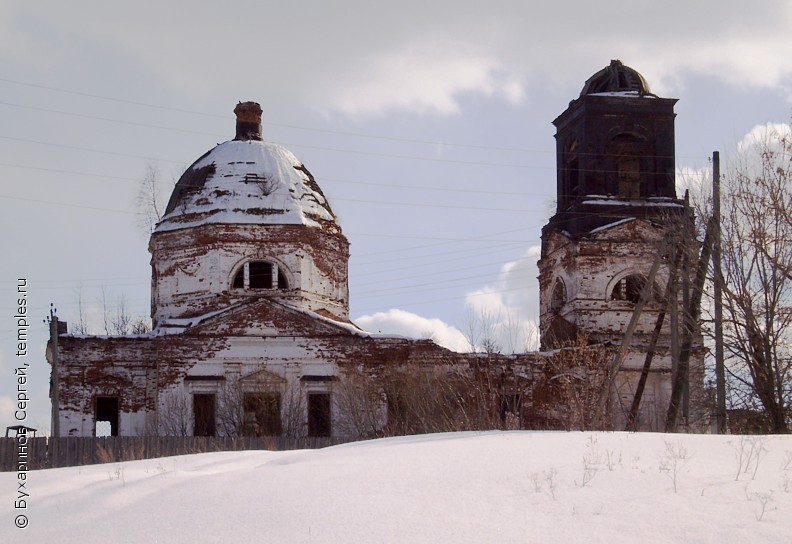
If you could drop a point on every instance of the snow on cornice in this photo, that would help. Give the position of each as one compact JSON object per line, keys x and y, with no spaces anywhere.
{"x":654,"y":202}
{"x":624,"y":94}
{"x":611,"y":225}
{"x":177,"y":325}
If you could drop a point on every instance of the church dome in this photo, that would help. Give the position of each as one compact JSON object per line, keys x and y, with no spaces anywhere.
{"x":247,"y":181}
{"x":616,"y":79}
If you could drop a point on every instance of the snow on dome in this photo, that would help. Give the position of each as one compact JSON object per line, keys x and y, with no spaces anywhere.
{"x":247,"y":181}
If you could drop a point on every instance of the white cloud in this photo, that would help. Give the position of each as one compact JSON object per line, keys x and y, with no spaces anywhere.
{"x":387,"y":59}
{"x":505,"y":311}
{"x":767,"y":136}
{"x":7,"y":408}
{"x":425,"y":77}
{"x":404,"y":323}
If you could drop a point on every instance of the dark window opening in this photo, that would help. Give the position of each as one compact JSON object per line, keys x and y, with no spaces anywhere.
{"x":511,"y":409}
{"x":239,"y":279}
{"x":262,"y":414}
{"x":627,"y":151}
{"x":571,"y":174}
{"x":628,"y":170}
{"x":558,"y":298}
{"x":106,"y":416}
{"x":631,"y":288}
{"x":259,"y":275}
{"x":204,"y":414}
{"x":319,"y":414}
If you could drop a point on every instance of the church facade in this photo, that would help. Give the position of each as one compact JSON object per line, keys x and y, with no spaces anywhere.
{"x":250,"y":299}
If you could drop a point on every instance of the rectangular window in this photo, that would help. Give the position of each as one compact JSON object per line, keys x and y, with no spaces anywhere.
{"x":204,"y":414}
{"x":319,"y":414}
{"x":260,"y":275}
{"x":106,"y":416}
{"x":262,"y":414}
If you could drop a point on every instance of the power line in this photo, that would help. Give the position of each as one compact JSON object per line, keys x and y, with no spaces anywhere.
{"x":59,"y":171}
{"x":413,"y":259}
{"x":442,"y":206}
{"x":77,"y":148}
{"x":38,"y":201}
{"x":286,"y":144}
{"x":110,"y":120}
{"x":446,"y":299}
{"x":432,"y":188}
{"x":284,"y":125}
{"x":433,"y":273}
{"x":358,"y":201}
{"x":331,"y":180}
{"x":444,"y":240}
{"x":413,"y":287}
{"x":299,"y":145}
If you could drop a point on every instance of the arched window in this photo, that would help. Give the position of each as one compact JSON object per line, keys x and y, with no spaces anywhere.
{"x":559,"y":297}
{"x":259,"y":275}
{"x":630,"y":288}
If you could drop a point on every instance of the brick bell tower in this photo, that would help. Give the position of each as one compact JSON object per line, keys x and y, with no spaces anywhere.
{"x":616,"y":199}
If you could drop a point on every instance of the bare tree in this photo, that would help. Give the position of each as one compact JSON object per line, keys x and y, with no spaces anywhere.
{"x":140,"y":325}
{"x":149,"y":201}
{"x":116,"y":318}
{"x":230,"y":410}
{"x":448,"y":397}
{"x":576,"y":379}
{"x":293,"y":410}
{"x":501,"y":332}
{"x":362,"y":404}
{"x":174,"y":417}
{"x":81,"y":325}
{"x":756,"y":264}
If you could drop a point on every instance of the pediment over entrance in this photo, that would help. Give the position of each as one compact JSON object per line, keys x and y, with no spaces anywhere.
{"x":262,"y":379}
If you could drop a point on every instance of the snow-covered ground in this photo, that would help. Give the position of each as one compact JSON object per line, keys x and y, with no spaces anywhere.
{"x":543,"y":487}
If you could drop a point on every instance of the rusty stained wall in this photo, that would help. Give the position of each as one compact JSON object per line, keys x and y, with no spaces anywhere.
{"x":590,"y":267}
{"x":192,"y":269}
{"x":147,"y":372}
{"x":297,"y":366}
{"x":134,"y":369}
{"x":143,"y":371}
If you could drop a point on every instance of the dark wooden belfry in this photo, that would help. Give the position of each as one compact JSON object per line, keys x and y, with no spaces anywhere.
{"x":615,"y":152}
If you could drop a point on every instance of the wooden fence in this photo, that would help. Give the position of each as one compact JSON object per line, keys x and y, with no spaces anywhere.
{"x":73,"y":451}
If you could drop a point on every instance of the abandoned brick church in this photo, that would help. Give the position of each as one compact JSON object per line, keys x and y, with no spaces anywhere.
{"x":250,"y":302}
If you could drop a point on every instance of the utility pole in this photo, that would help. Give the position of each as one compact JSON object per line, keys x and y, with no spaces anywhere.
{"x":689,"y":325}
{"x":54,"y":351}
{"x":720,"y":373}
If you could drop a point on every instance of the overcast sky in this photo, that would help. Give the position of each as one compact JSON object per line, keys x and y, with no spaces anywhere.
{"x":427,"y":124}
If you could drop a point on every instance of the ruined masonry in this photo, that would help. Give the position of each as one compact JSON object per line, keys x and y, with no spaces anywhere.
{"x":250,"y":300}
{"x":617,"y":216}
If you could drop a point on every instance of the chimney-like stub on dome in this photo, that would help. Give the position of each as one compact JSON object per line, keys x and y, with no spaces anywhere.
{"x":248,"y":123}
